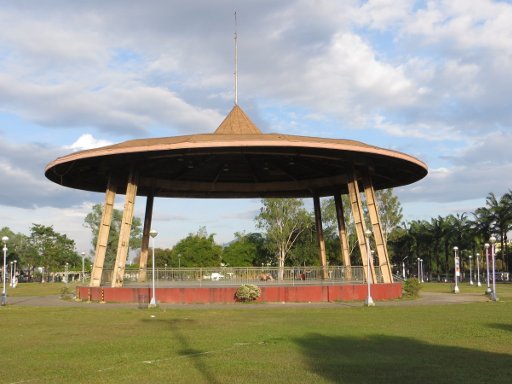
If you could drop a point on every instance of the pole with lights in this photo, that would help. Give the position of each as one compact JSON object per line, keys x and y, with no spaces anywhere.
{"x":470,"y":271}
{"x":492,"y":239}
{"x":478,"y":283}
{"x":5,"y":239}
{"x":153,"y":233}
{"x":369,"y":301}
{"x":486,"y":246}
{"x":457,"y":268}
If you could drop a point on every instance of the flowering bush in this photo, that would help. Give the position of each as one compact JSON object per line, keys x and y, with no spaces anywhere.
{"x":247,"y":292}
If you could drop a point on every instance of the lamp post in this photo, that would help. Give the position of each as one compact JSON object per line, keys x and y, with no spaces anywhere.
{"x":403,"y":266}
{"x":457,"y":268}
{"x":5,"y":239}
{"x":11,"y":276}
{"x":83,"y":267}
{"x":421,"y":270}
{"x":470,"y":271}
{"x":494,"y":297}
{"x":179,"y":260}
{"x":67,"y":273}
{"x":419,"y":273}
{"x":153,"y":233}
{"x":369,"y":301}
{"x":14,"y":279}
{"x":478,"y":284}
{"x":488,"y":290}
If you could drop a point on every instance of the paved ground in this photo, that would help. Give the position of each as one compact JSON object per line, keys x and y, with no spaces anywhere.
{"x":426,"y":298}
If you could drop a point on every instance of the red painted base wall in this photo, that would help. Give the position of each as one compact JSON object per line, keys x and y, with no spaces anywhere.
{"x":269,"y":294}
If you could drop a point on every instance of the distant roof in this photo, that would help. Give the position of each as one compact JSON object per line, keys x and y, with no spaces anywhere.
{"x":237,"y":161}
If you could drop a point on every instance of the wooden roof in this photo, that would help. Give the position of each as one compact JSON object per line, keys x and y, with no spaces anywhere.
{"x":235,"y":161}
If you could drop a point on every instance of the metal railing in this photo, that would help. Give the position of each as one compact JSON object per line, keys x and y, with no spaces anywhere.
{"x":171,"y":277}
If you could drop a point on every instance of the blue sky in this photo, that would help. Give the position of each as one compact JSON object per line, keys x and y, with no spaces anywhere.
{"x":429,"y":78}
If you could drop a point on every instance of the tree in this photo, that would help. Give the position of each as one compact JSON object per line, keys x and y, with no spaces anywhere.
{"x":241,"y":252}
{"x":93,"y":221}
{"x":198,"y":250}
{"x":51,"y":249}
{"x":390,"y":211}
{"x":283,"y":221}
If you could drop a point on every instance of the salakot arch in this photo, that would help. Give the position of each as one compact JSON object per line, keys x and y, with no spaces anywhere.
{"x":237,"y":161}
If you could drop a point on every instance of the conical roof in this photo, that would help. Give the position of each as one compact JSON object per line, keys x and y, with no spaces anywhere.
{"x":237,"y":123}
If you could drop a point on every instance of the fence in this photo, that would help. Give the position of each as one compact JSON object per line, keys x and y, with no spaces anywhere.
{"x":171,"y":277}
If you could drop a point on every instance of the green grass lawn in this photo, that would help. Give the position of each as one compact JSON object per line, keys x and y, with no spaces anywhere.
{"x":462,"y":343}
{"x":38,"y":289}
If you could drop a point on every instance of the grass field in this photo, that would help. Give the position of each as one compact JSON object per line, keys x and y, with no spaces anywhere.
{"x":462,"y":343}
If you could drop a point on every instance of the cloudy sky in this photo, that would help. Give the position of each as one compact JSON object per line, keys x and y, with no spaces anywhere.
{"x":429,"y":78}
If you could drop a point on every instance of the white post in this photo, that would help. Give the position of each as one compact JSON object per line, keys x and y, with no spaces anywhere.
{"x":403,"y":266}
{"x":153,"y":234}
{"x":488,"y":290}
{"x":470,"y":271}
{"x":11,"y":276}
{"x":494,"y":297}
{"x":369,"y":301}
{"x":5,"y":239}
{"x":478,"y":284}
{"x":67,"y":274}
{"x":457,"y":268}
{"x":15,"y":280}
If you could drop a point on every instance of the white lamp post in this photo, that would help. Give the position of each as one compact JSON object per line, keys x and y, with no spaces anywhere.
{"x":457,"y":268}
{"x":14,"y":279}
{"x":153,"y":233}
{"x":494,"y":297}
{"x":403,"y":266}
{"x":419,"y":273}
{"x":11,"y":275}
{"x":421,"y":270}
{"x":67,"y":273}
{"x":470,"y":271}
{"x":488,"y":290}
{"x":478,"y":284}
{"x":83,"y":267}
{"x":5,"y":239}
{"x":369,"y":301}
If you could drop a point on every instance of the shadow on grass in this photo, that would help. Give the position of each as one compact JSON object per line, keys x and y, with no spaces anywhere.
{"x":503,"y":327}
{"x":187,"y":350}
{"x":385,"y":359}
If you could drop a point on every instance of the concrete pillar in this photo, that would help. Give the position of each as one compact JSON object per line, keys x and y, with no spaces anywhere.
{"x":320,"y":236}
{"x":357,"y":212}
{"x":380,"y":244}
{"x":144,"y":251}
{"x":125,"y":229}
{"x":103,"y":232}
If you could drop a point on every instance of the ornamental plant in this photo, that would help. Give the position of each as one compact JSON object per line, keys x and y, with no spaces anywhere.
{"x":412,"y":288}
{"x":247,"y":292}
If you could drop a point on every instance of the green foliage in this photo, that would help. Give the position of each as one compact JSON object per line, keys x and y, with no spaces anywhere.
{"x":93,"y":221}
{"x":411,"y":288}
{"x":283,"y":221}
{"x":241,"y":252}
{"x":248,"y":292}
{"x":198,"y":250}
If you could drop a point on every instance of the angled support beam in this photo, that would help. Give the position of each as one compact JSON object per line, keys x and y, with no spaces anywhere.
{"x":124,"y":231}
{"x":320,"y":237}
{"x":380,"y":244}
{"x":357,"y":213}
{"x":342,"y":234}
{"x":103,"y":232}
{"x":145,"y":238}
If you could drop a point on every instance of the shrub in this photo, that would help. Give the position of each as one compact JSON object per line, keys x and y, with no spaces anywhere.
{"x":65,"y":293}
{"x":247,"y":292}
{"x":411,"y":287}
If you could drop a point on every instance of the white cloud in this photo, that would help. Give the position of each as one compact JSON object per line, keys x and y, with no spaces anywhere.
{"x":87,"y":141}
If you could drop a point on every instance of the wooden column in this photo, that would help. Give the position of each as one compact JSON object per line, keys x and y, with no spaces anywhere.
{"x":125,"y":229}
{"x":357,"y":212}
{"x":103,"y":232}
{"x":342,"y":234}
{"x":320,"y":236}
{"x":380,"y":244}
{"x":145,"y":239}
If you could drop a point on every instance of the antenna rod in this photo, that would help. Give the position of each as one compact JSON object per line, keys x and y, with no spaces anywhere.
{"x":236,"y":62}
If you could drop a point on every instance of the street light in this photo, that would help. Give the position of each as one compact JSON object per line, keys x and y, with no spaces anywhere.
{"x":457,"y":268}
{"x":15,"y":281}
{"x":83,"y":267}
{"x":488,"y":290}
{"x":11,"y":276}
{"x":478,"y":284}
{"x":5,"y":239}
{"x":369,"y":301}
{"x":67,"y":273}
{"x":153,"y":233}
{"x":470,"y":273}
{"x":494,"y":297}
{"x":421,"y":270}
{"x":403,"y":266}
{"x":419,"y":273}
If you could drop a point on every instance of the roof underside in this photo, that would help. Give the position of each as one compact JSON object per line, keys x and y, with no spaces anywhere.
{"x":238,"y":161}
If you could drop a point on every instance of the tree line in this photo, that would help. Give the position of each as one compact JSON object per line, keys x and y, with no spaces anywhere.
{"x":287,"y":237}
